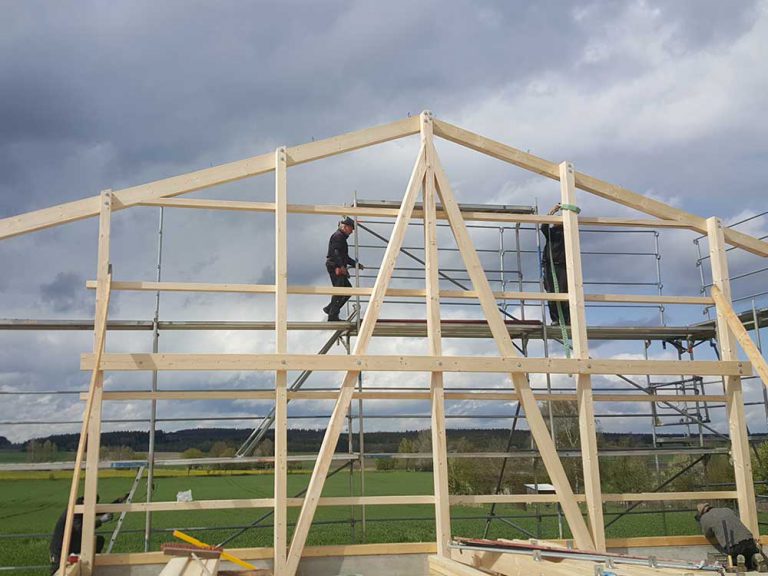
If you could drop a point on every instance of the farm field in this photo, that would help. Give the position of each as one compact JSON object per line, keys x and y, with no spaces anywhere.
{"x":30,"y":503}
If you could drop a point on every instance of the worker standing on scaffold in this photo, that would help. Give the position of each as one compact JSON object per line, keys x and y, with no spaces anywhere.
{"x":553,"y":268}
{"x":337,"y":262}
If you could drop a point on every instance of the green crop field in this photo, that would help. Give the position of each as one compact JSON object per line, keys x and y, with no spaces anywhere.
{"x":31,"y":502}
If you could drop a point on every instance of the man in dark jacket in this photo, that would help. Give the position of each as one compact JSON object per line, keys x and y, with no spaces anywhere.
{"x":725,"y":531}
{"x":553,"y":263}
{"x":77,"y":533}
{"x":337,"y":262}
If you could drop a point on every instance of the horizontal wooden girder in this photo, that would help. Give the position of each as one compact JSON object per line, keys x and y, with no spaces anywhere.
{"x":384,"y":363}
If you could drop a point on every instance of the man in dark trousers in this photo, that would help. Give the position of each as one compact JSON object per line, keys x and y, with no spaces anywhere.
{"x":337,"y":262}
{"x":553,"y":263}
{"x":77,"y":533}
{"x":725,"y":531}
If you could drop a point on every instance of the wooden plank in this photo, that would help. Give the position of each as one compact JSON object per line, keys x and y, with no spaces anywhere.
{"x":737,"y":426}
{"x":262,"y":553}
{"x":587,"y":434}
{"x":384,"y":363}
{"x":103,"y":277}
{"x":408,"y":500}
{"x":505,"y":396}
{"x":742,"y":336}
{"x":444,"y":566}
{"x":382,"y":212}
{"x":434,"y":335}
{"x":399,"y":292}
{"x":593,"y":185}
{"x":534,"y":418}
{"x":101,"y":315}
{"x":200,"y":179}
{"x":525,"y":565}
{"x":280,"y":533}
{"x":365,"y":333}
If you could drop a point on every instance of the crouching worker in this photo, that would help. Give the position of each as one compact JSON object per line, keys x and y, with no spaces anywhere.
{"x":77,"y":533}
{"x":725,"y":531}
{"x":337,"y":262}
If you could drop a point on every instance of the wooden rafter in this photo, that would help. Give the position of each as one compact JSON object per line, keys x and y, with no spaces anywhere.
{"x":365,"y":333}
{"x":593,"y":185}
{"x":538,"y":428}
{"x":193,"y":181}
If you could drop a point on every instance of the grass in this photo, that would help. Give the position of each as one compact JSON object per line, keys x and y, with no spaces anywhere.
{"x":30,"y":504}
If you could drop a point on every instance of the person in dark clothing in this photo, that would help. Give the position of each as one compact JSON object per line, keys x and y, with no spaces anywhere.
{"x":725,"y":531}
{"x":57,"y":539}
{"x":337,"y":262}
{"x":553,"y":263}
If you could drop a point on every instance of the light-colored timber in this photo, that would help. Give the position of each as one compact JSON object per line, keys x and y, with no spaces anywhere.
{"x":428,"y":179}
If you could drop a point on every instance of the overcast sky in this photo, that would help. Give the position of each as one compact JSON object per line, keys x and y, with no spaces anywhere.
{"x":666,"y":99}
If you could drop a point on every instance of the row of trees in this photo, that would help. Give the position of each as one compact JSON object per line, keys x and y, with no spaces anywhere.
{"x":618,"y":474}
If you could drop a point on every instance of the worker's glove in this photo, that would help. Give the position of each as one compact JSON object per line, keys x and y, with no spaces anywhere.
{"x":341,"y":271}
{"x":107,"y":517}
{"x":360,"y":266}
{"x":121,"y":499}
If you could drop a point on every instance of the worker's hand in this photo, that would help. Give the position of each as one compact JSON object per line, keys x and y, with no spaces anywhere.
{"x":360,"y":266}
{"x":121,"y":499}
{"x":106,"y":517}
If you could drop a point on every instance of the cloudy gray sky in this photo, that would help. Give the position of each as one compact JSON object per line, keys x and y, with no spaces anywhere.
{"x":666,"y":99}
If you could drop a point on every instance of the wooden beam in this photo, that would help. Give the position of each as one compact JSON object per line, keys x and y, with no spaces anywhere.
{"x":381,"y":363}
{"x":742,"y":336}
{"x":96,"y":375}
{"x":280,"y":540}
{"x":386,"y":212}
{"x":399,"y":292}
{"x":590,"y":184}
{"x":737,"y":425}
{"x":505,"y":396}
{"x":406,"y":500}
{"x":80,"y":209}
{"x":587,"y":434}
{"x":365,"y":333}
{"x":437,"y":391}
{"x":534,"y":418}
{"x":103,"y":277}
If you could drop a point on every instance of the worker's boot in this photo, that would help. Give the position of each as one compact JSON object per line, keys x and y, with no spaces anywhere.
{"x":758,"y":560}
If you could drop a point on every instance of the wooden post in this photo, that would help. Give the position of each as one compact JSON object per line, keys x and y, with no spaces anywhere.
{"x":439,"y":444}
{"x":539,"y":432}
{"x":365,"y":333}
{"x":585,"y":404}
{"x":737,"y":425}
{"x":281,"y":376}
{"x":88,"y":547}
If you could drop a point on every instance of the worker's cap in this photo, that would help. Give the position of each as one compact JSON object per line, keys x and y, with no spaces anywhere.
{"x":348,"y":221}
{"x":703,"y":507}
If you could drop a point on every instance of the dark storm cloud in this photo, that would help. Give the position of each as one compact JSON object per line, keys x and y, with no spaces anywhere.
{"x":664,"y":98}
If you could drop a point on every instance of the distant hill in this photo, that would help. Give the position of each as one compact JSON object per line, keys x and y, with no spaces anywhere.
{"x":303,"y":440}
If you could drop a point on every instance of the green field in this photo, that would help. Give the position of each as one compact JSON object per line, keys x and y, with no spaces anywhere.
{"x":30,"y":503}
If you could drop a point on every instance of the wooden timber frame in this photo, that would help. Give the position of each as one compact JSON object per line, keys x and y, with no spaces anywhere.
{"x":428,"y":180}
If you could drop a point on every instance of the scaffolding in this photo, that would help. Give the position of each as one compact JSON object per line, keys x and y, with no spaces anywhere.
{"x":490,"y":286}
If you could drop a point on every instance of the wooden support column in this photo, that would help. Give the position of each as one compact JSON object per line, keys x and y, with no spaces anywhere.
{"x":365,"y":333}
{"x":88,"y":548}
{"x":437,"y":391}
{"x":546,"y":446}
{"x":588,"y":438}
{"x":737,"y":424}
{"x":281,"y":376}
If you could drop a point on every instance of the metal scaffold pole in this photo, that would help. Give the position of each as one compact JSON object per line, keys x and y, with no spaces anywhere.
{"x":153,"y":403}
